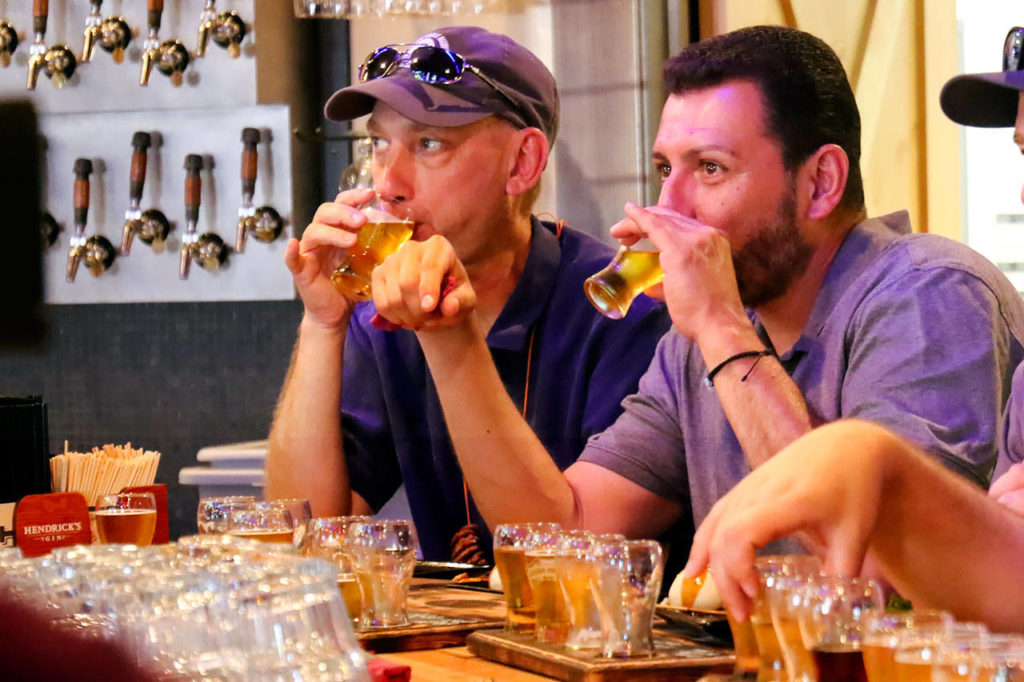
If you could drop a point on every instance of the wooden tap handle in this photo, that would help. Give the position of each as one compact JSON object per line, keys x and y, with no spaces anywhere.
{"x":83,"y":168}
{"x":137,"y":178}
{"x":156,"y":10}
{"x":40,"y":11}
{"x":193,"y":186}
{"x":250,"y":159}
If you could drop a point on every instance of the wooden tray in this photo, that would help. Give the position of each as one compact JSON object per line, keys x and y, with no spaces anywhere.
{"x":675,"y":659}
{"x":440,"y":616}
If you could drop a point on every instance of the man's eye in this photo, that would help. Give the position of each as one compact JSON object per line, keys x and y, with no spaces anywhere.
{"x":710,"y":167}
{"x":379,"y":144}
{"x":663,"y":170}
{"x":429,"y":144}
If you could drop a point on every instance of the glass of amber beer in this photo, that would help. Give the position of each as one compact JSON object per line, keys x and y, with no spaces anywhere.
{"x":511,"y":540}
{"x":262,"y":521}
{"x":832,"y":623}
{"x":126,"y":518}
{"x":328,"y":539}
{"x":380,"y":237}
{"x":633,"y":269}
{"x":882,"y":631}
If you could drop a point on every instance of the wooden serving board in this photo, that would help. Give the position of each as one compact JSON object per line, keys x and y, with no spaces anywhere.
{"x":440,"y":616}
{"x":675,"y":659}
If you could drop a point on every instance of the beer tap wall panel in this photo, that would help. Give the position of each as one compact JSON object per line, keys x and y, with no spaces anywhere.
{"x":94,"y":112}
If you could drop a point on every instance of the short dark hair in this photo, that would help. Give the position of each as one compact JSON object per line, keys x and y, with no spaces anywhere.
{"x":807,"y":96}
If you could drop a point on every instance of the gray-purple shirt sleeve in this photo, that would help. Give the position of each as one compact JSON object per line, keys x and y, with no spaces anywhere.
{"x":929,"y":356}
{"x":1011,"y":435}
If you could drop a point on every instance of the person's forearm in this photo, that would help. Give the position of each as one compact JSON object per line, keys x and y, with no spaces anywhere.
{"x":305,"y":456}
{"x":503,"y":461}
{"x":943,"y":543}
{"x":763,"y":405}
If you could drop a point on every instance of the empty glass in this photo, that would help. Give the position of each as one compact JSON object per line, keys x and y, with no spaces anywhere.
{"x":383,"y":557}
{"x":630,"y":574}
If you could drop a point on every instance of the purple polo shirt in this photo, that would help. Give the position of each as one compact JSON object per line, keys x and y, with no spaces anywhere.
{"x":912,"y":331}
{"x":581,"y":367}
{"x":1011,"y":442}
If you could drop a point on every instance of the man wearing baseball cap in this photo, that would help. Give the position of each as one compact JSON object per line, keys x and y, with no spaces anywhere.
{"x":462,"y":121}
{"x":996,"y":100}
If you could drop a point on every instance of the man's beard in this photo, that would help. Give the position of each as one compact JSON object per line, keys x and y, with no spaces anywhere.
{"x":775,"y":256}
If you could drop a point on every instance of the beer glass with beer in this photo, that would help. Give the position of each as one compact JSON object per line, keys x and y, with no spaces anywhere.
{"x":882,"y":631}
{"x":542,"y":563}
{"x":383,"y":555}
{"x":263,"y":522}
{"x":380,"y":237}
{"x":300,"y":512}
{"x":771,"y":569}
{"x":511,"y":541}
{"x":578,"y":579}
{"x":212,"y":512}
{"x":634,"y":269}
{"x":832,"y":624}
{"x":126,"y":518}
{"x":327,"y":539}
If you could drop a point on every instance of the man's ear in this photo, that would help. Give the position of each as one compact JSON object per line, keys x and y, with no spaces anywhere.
{"x":822,"y":180}
{"x":527,"y":161}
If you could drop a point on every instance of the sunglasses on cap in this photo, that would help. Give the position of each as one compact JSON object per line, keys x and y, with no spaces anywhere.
{"x":427,"y":63}
{"x":1013,"y":50}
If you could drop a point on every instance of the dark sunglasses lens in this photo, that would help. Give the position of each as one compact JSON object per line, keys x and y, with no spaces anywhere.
{"x":1012,"y":50}
{"x":434,"y":65}
{"x":378,"y":64}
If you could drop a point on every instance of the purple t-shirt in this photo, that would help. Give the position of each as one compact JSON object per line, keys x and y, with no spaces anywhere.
{"x":912,"y":331}
{"x":1011,"y":441}
{"x":581,"y":366}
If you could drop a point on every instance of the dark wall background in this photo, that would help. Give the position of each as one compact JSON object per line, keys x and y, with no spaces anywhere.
{"x":168,"y":377}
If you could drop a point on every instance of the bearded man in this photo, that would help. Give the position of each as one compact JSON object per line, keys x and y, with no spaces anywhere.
{"x":790,"y":309}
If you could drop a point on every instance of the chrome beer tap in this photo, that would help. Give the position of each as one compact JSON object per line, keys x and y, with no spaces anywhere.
{"x":151,"y":48}
{"x":264,"y":222}
{"x":208,"y":249}
{"x":152,"y":225}
{"x":92,"y":30}
{"x":8,"y":42}
{"x":37,"y":53}
{"x":96,"y":251}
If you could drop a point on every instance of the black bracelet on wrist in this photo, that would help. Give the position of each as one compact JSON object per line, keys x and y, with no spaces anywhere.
{"x":709,"y":380}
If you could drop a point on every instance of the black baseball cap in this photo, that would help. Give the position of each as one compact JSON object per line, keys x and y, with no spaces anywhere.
{"x":521,"y":77}
{"x":988,"y":100}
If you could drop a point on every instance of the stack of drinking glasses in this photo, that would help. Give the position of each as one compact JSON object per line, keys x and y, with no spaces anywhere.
{"x":207,"y":607}
{"x":581,"y":590}
{"x":807,"y":627}
{"x":349,"y":9}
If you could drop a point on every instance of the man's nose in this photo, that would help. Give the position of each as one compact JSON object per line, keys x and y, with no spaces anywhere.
{"x":392,"y":176}
{"x":677,"y":193}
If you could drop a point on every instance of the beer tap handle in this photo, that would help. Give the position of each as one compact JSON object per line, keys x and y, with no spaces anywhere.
{"x":37,"y":53}
{"x":83,"y":168}
{"x":205,"y":25}
{"x":250,"y":163}
{"x":150,"y":51}
{"x":40,"y":13}
{"x":193,"y":194}
{"x":136,"y":182}
{"x":92,"y":30}
{"x":141,"y":142}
